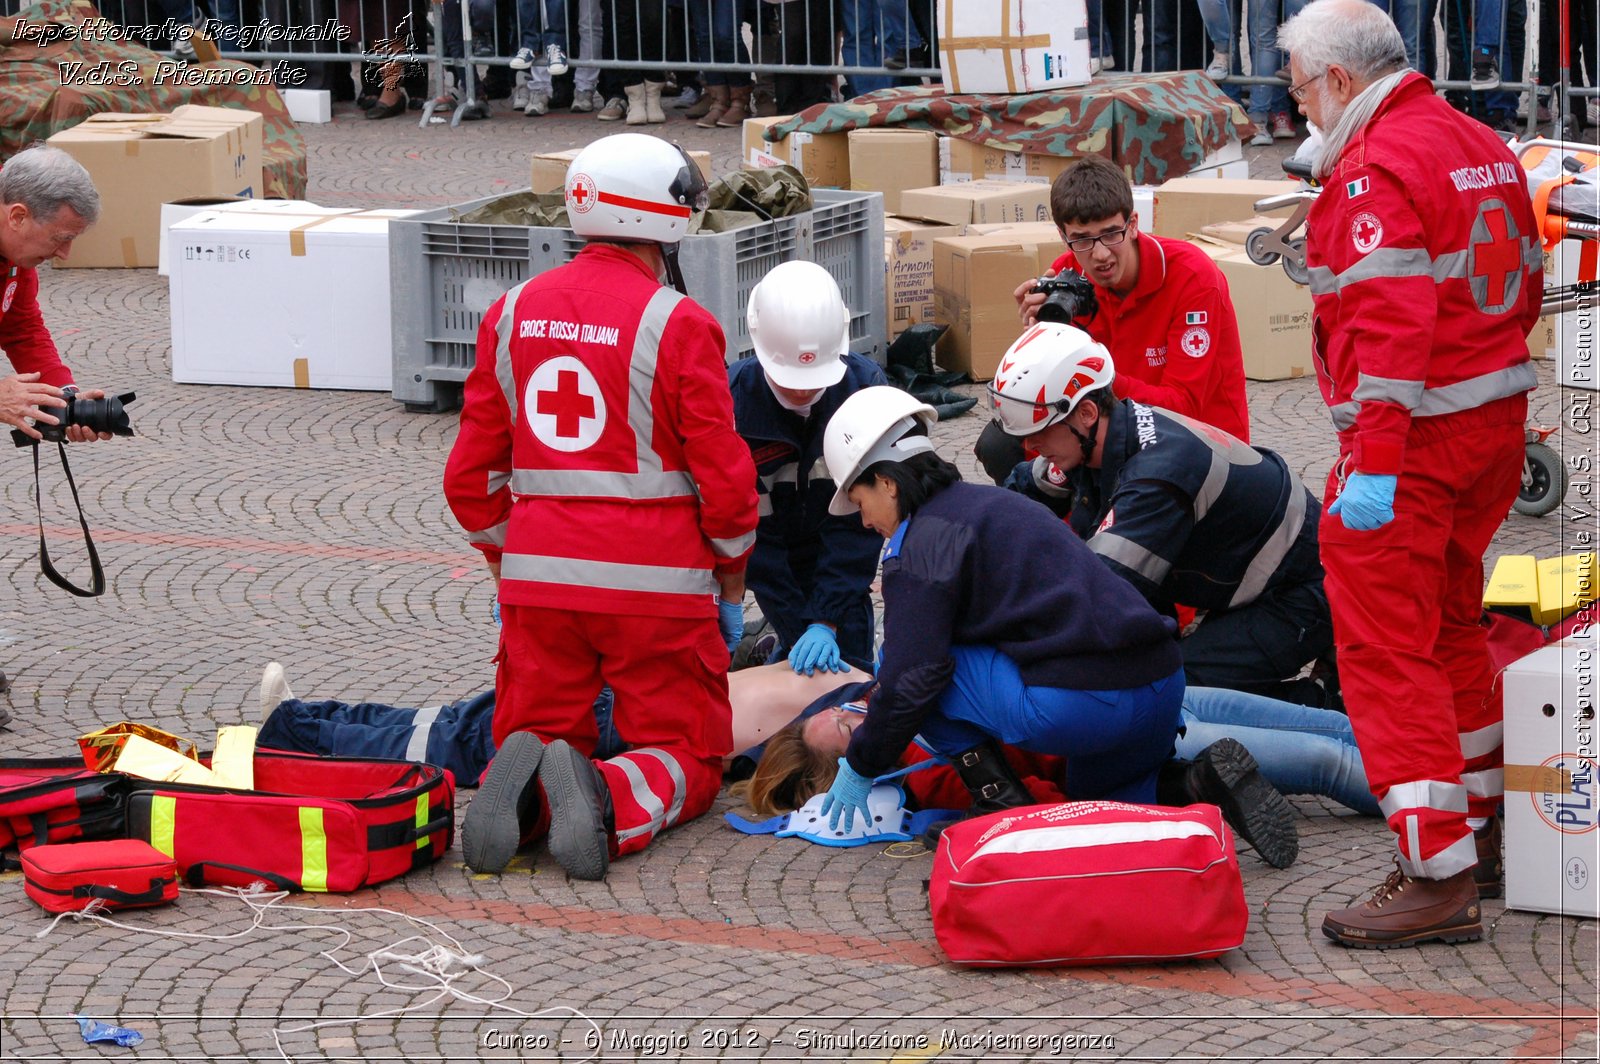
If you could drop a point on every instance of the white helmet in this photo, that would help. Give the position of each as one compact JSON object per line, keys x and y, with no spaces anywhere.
{"x":868,"y":428}
{"x":632,"y":188}
{"x":800,"y":326}
{"x":1044,"y":375}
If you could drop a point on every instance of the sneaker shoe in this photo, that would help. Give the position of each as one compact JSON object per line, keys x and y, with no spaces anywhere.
{"x":557,"y":60}
{"x":1096,"y":64}
{"x":538,"y":103}
{"x":1405,"y":911}
{"x":615,"y":110}
{"x":580,"y":808}
{"x":586,"y":100}
{"x":1490,"y":867}
{"x":1226,"y":776}
{"x":1217,"y":69}
{"x":476,"y":111}
{"x":1283,"y":126}
{"x":505,"y":805}
{"x":523,"y":60}
{"x":1263,"y":135}
{"x":482,"y":47}
{"x":519,"y":100}
{"x":1485,"y":73}
{"x":687,"y":98}
{"x":274,"y":689}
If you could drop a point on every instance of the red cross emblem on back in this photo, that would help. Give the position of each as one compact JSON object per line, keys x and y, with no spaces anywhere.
{"x":567,"y":403}
{"x":1494,"y":258}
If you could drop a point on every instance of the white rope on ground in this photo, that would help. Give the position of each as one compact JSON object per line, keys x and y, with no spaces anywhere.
{"x":440,"y":960}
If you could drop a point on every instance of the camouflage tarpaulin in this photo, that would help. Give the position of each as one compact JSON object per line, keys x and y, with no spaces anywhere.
{"x":34,"y":104}
{"x":1158,"y":126}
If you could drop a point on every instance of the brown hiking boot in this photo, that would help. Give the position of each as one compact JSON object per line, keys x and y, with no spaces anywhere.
{"x":1490,"y":867}
{"x":1405,"y":911}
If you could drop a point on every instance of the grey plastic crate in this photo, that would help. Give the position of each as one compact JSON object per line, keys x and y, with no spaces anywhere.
{"x":445,"y":273}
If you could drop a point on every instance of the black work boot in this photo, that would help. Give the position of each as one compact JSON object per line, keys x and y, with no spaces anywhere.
{"x":991,"y":782}
{"x":505,"y":807}
{"x":1226,"y":776}
{"x":580,"y":811}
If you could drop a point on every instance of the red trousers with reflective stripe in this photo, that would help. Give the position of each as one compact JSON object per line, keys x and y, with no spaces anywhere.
{"x":670,"y":677}
{"x":1413,"y":660}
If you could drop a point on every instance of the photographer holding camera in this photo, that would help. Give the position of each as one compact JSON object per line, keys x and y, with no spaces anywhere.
{"x":1160,"y":306}
{"x":48,"y":200}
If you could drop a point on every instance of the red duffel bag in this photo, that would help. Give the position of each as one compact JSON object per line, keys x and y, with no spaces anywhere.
{"x":113,"y":874}
{"x":1087,"y":883}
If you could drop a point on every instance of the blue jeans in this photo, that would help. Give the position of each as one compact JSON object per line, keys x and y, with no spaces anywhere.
{"x":714,"y":26}
{"x":1300,"y":750}
{"x":873,"y":30}
{"x":543,"y":22}
{"x":1486,"y":28}
{"x":1219,"y":25}
{"x":1113,"y":741}
{"x":1265,"y":58}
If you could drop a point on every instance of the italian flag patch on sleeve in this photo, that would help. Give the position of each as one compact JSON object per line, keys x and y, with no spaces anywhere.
{"x":1355,"y":188}
{"x":1195,"y":317}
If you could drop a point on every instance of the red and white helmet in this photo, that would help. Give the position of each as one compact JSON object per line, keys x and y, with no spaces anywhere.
{"x":632,"y":188}
{"x":800,"y":326}
{"x":1044,"y":375}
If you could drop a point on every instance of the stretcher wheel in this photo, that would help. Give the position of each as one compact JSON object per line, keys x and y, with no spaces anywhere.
{"x":1544,"y":481}
{"x":1255,"y":245}
{"x":1294,"y":266}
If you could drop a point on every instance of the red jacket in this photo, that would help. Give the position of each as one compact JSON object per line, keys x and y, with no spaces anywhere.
{"x":1174,"y":338}
{"x":597,"y":459}
{"x":1426,"y":274}
{"x":23,"y":336}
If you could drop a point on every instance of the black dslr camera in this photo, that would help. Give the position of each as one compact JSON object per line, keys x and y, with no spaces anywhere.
{"x":100,"y":415}
{"x":1068,"y":297}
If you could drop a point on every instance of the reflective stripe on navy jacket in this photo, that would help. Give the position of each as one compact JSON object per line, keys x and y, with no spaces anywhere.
{"x":793,"y":490}
{"x":1189,"y":514}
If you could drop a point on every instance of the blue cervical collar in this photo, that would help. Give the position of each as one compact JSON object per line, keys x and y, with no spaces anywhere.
{"x":891,"y":821}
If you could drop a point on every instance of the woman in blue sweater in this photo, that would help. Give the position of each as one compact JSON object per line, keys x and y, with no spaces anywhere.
{"x":999,"y":627}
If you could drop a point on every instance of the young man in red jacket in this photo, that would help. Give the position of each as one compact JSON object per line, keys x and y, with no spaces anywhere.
{"x":1426,"y":279}
{"x":1164,"y":309}
{"x":599,"y":472}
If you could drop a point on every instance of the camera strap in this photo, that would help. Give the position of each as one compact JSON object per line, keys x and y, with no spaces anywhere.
{"x":97,"y":574}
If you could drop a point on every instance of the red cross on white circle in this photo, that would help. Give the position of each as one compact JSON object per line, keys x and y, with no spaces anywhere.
{"x":564,"y":406}
{"x":581,"y":192}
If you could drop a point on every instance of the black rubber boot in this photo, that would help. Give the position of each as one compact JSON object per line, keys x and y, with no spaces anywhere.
{"x":991,"y":782}
{"x":1227,"y":776}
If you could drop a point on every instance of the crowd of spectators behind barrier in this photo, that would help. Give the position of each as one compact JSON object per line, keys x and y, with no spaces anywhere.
{"x":717,"y":61}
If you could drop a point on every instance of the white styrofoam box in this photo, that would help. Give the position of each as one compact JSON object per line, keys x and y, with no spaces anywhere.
{"x":309,"y":105}
{"x":1552,"y":796}
{"x":1144,"y":205}
{"x":1227,"y":161}
{"x":313,"y":285}
{"x":1013,"y":45}
{"x":1577,"y":351}
{"x":173,"y":213}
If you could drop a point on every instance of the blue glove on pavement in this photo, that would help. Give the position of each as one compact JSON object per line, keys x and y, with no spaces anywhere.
{"x":817,"y":648}
{"x":730,"y":621}
{"x":1366,"y":503}
{"x":494,"y":611}
{"x":848,"y":795}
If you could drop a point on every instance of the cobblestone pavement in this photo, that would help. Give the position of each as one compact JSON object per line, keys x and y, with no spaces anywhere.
{"x":304,"y":526}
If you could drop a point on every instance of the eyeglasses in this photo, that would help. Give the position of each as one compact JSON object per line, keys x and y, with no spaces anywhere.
{"x":1110,"y":240}
{"x":1297,"y":93}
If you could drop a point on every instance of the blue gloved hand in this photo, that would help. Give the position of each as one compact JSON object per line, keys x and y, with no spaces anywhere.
{"x":730,"y":621}
{"x":817,"y":648}
{"x":494,"y":611}
{"x":1366,"y":503}
{"x":847,"y":796}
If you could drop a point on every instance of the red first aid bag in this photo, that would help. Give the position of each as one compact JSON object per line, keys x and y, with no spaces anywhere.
{"x":1087,"y":883}
{"x":53,"y":800}
{"x":119,"y":873}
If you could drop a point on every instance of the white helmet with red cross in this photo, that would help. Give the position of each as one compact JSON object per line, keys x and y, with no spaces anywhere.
{"x":632,"y":188}
{"x":1044,"y":375}
{"x":799,"y":326}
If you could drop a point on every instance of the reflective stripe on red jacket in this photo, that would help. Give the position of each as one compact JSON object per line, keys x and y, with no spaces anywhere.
{"x":1426,"y":274}
{"x":597,"y":459}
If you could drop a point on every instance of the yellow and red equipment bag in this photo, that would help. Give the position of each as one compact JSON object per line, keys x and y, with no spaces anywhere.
{"x":115,"y":873}
{"x":312,"y":823}
{"x":1087,"y":883}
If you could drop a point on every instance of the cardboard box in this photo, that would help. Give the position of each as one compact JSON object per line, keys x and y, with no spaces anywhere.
{"x":978,"y":201}
{"x":965,"y":160}
{"x":1185,"y":205}
{"x":1013,"y":45}
{"x":550,"y":167}
{"x":315,"y":285}
{"x":313,"y":106}
{"x":1032,"y":232}
{"x":891,"y":161}
{"x":1273,"y":312}
{"x":139,"y":162}
{"x":1552,"y":802}
{"x":823,"y":157}
{"x":908,"y":270}
{"x":973,"y":281}
{"x":173,"y":213}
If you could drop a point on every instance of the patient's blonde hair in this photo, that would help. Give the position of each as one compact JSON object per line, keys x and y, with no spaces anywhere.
{"x":788,"y":775}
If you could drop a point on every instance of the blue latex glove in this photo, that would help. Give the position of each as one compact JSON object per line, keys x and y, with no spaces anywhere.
{"x":1366,"y":503}
{"x":494,"y":611}
{"x":847,"y":796}
{"x":730,"y":621}
{"x":817,"y":648}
